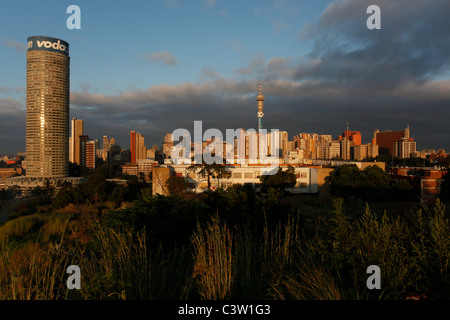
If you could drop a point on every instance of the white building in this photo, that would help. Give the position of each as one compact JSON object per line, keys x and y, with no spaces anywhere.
{"x":247,"y":175}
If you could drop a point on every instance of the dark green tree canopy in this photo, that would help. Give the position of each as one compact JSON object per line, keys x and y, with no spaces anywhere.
{"x":372,"y":183}
{"x":279,"y":181}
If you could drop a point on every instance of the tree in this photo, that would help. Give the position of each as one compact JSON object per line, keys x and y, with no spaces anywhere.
{"x":13,"y":192}
{"x":208,"y":170}
{"x":446,"y":162}
{"x":102,"y":173}
{"x":63,"y":198}
{"x":176,"y":185}
{"x":372,"y":183}
{"x":279,"y":181}
{"x":119,"y":194}
{"x":134,"y":188}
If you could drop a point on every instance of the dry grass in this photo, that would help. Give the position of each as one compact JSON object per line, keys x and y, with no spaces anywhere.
{"x":221,"y":263}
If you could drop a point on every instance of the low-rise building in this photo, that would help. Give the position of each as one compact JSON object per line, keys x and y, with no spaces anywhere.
{"x":427,"y":180}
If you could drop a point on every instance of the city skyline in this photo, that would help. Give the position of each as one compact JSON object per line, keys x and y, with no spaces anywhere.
{"x":321,"y":68}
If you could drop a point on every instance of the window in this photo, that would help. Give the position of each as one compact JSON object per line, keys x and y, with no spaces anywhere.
{"x":248,"y":175}
{"x":237,"y":175}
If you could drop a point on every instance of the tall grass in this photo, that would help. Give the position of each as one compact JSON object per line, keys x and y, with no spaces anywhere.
{"x":214,"y":258}
{"x":34,"y":272}
{"x":246,"y":262}
{"x":114,"y":265}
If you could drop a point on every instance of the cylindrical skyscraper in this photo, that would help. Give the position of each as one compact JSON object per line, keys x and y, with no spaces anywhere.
{"x":260,"y":114}
{"x":48,"y":94}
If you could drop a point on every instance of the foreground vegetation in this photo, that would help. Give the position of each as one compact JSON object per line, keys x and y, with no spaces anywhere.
{"x":226,"y":245}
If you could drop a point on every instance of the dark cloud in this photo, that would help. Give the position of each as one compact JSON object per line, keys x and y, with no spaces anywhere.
{"x":412,"y":44}
{"x":12,"y":129}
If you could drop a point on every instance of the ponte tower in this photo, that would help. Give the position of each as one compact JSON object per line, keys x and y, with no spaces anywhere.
{"x":48,"y":95}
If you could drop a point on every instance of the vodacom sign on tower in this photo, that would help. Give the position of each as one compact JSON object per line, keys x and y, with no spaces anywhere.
{"x":48,"y":44}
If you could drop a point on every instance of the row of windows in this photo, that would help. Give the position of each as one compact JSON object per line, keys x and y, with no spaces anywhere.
{"x":49,"y":57}
{"x":38,"y":149}
{"x":53,"y":127}
{"x":53,"y":142}
{"x":56,"y":101}
{"x":47,"y":114}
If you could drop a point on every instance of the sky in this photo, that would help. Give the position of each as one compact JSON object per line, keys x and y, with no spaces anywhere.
{"x":156,"y":66}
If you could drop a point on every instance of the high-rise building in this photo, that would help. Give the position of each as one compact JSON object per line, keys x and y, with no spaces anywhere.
{"x":133,"y":146}
{"x":405,"y":148}
{"x":386,"y":140}
{"x":239,"y":146}
{"x":333,"y":149}
{"x":137,"y":147}
{"x":167,"y":145}
{"x":260,"y":98}
{"x":83,"y":140}
{"x":354,"y":136}
{"x":77,"y":131}
{"x":90,"y":154}
{"x":345,"y":148}
{"x":308,"y":143}
{"x":322,"y":147}
{"x":141,"y":150}
{"x":283,"y":141}
{"x":365,"y":151}
{"x":106,"y":150}
{"x":47,"y":120}
{"x":70,"y":149}
{"x":106,"y":143}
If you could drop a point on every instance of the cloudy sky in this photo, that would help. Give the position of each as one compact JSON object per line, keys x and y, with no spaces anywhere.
{"x":155,"y":66}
